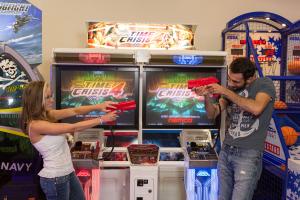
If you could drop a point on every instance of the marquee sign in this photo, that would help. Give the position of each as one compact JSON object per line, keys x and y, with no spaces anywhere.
{"x":132,"y":35}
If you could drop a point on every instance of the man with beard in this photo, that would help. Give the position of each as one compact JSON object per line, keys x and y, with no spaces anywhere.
{"x":248,"y":101}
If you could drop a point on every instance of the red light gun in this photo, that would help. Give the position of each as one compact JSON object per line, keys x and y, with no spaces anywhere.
{"x":122,"y":106}
{"x":202,"y":82}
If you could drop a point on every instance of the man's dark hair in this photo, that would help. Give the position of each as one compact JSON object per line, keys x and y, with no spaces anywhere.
{"x":244,"y":66}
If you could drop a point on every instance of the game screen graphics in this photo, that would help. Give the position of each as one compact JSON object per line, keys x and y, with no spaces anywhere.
{"x":169,"y":103}
{"x":89,"y":87}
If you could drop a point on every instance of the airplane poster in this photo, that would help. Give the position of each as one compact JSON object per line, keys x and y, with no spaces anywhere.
{"x":21,"y":29}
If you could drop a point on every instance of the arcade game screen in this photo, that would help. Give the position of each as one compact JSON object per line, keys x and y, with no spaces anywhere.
{"x":169,"y":103}
{"x":90,"y":85}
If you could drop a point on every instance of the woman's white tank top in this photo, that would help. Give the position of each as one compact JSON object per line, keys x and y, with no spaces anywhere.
{"x":56,"y":156}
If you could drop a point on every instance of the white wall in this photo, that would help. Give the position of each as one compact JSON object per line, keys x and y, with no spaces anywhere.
{"x":64,"y":20}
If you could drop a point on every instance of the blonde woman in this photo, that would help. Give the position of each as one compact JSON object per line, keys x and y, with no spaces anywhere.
{"x":39,"y":121}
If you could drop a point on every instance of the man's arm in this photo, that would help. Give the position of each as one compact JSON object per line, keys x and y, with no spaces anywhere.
{"x":212,"y":109}
{"x":254,"y":106}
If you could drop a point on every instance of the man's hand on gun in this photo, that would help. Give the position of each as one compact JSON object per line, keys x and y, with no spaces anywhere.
{"x":215,"y":89}
{"x":201,"y":91}
{"x":202,"y":82}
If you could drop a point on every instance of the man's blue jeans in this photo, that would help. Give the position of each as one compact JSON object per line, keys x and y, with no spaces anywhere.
{"x":62,"y":188}
{"x":238,"y":172}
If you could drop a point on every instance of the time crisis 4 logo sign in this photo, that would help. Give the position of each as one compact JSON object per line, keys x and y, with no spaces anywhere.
{"x":99,"y":89}
{"x":174,"y":90}
{"x":132,"y":35}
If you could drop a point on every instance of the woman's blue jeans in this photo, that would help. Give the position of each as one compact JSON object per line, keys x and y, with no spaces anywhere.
{"x":62,"y":188}
{"x":238,"y":172}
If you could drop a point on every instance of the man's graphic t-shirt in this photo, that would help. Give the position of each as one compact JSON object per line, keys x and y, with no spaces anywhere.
{"x":244,"y":129}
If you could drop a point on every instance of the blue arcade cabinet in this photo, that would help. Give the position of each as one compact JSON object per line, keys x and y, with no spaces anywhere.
{"x":268,"y":40}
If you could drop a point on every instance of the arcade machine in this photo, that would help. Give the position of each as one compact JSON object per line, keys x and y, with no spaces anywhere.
{"x":170,"y":108}
{"x":19,"y":161}
{"x":85,"y":149}
{"x":265,"y":30}
{"x":164,"y":107}
{"x":20,"y":54}
{"x":161,"y":115}
{"x":126,"y":69}
{"x":263,"y":37}
{"x":91,"y":76}
{"x":289,"y":113}
{"x":201,"y":182}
